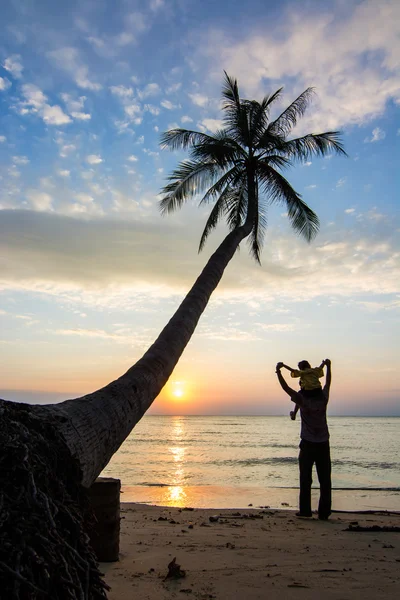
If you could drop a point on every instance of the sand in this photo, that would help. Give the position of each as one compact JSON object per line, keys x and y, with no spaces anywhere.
{"x":276,"y":555}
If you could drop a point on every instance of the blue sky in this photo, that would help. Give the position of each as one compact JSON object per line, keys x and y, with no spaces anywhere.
{"x":90,"y":272}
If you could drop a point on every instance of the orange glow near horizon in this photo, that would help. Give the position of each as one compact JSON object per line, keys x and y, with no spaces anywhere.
{"x":177,"y":391}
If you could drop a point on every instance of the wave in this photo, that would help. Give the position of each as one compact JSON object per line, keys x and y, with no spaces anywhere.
{"x":252,"y":462}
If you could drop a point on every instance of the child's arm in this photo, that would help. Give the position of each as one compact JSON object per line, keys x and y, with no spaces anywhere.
{"x":286,"y":366}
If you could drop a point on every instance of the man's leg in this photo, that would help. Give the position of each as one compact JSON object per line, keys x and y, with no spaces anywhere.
{"x":306,"y":461}
{"x":323,"y":464}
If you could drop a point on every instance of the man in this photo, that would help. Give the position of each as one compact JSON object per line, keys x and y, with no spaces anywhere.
{"x":314,"y":444}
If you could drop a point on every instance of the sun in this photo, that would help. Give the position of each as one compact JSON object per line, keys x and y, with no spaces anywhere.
{"x":177,"y":390}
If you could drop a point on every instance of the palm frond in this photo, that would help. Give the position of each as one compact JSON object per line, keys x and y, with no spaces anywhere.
{"x":181,"y":139}
{"x":256,"y":237}
{"x":277,"y":189}
{"x":288,"y":119}
{"x":218,"y":210}
{"x":236,"y":205}
{"x":188,"y":179}
{"x":230,"y":91}
{"x":259,"y":115}
{"x":223,"y":150}
{"x":228,"y":179}
{"x":313,"y":144}
{"x":235,"y":112}
{"x":277,"y":161}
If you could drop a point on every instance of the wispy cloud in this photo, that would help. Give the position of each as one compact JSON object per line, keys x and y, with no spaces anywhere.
{"x":4,"y":84}
{"x":13,"y":65}
{"x":68,"y":59}
{"x":340,"y":182}
{"x":199,"y":99}
{"x":75,"y":107}
{"x":36,"y":103}
{"x":377,"y":135}
{"x":94,"y":159}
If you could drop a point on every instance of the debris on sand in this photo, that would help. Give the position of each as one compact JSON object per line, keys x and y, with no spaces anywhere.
{"x":174,"y":570}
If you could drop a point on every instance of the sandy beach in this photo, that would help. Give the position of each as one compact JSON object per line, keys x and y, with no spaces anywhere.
{"x":253,"y":553}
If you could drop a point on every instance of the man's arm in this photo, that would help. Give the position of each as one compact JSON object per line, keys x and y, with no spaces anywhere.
{"x":328,"y":378}
{"x":294,"y":396}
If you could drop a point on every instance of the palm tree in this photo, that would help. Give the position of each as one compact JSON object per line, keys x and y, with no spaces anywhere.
{"x":240,"y":167}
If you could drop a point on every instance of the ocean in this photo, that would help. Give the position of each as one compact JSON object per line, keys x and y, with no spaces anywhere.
{"x":235,"y":462}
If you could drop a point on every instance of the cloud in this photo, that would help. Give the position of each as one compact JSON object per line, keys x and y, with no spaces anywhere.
{"x":36,"y":102}
{"x":199,"y":99}
{"x":154,"y":110}
{"x":13,"y":65}
{"x":276,"y":326}
{"x":2,"y":139}
{"x":168,"y":105}
{"x":65,"y":251}
{"x":4,"y":84}
{"x":377,"y":135}
{"x":40,"y":201}
{"x":366,"y":40}
{"x":121,"y":91}
{"x":186,"y":119}
{"x":311,"y":187}
{"x":152,"y":89}
{"x":75,"y":107}
{"x":132,"y":158}
{"x":20,"y":160}
{"x":53,"y":115}
{"x":340,"y":182}
{"x":63,"y":172}
{"x":212,"y":124}
{"x":94,"y":159}
{"x":66,"y":149}
{"x":156,"y":5}
{"x":349,"y":211}
{"x":172,"y":89}
{"x":68,"y":60}
{"x":91,"y":333}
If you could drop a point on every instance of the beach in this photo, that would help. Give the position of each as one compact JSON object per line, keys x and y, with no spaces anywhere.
{"x":253,"y":554}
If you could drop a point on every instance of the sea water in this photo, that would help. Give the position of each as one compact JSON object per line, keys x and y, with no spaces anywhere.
{"x":232,"y":462}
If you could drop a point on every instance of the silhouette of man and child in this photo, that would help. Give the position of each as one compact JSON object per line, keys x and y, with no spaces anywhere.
{"x":312,"y":400}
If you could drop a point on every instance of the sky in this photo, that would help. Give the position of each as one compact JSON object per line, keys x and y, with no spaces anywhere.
{"x":90,"y":271}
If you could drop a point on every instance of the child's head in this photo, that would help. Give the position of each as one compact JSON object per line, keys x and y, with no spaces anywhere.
{"x":304,"y":364}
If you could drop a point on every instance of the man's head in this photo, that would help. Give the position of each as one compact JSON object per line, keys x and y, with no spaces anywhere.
{"x":304,"y":364}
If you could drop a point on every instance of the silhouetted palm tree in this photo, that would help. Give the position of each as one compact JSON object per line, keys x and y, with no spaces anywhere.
{"x":239,"y":167}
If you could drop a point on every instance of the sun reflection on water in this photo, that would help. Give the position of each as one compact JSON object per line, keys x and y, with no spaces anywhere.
{"x":175,"y":494}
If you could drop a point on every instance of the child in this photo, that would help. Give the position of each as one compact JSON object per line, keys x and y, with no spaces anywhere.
{"x":309,"y":377}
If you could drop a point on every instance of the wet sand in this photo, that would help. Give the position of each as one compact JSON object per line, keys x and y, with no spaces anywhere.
{"x":253,"y":554}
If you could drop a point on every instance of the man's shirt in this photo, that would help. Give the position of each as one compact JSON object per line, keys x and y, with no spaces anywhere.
{"x":314,"y":427}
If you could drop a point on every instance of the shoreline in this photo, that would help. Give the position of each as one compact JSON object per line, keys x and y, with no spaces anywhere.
{"x":253,"y":554}
{"x":228,"y":497}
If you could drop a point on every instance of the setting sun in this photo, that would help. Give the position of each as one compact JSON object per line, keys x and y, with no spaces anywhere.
{"x":177,"y":390}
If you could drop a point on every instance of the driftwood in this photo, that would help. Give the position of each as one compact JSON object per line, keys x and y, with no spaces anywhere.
{"x":44,"y":548}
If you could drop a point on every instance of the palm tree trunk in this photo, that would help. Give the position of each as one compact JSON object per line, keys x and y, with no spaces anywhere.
{"x":94,"y":426}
